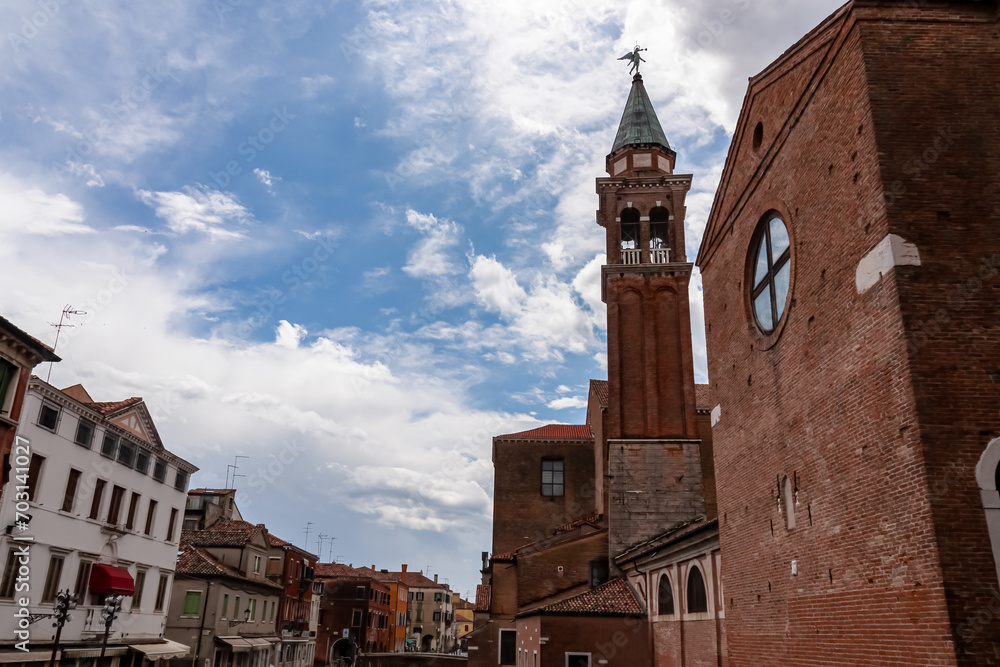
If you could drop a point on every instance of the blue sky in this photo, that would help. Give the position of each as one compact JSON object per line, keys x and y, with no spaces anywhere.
{"x":350,"y":240}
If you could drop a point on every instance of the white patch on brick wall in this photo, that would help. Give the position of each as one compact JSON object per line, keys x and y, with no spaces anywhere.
{"x":664,"y":163}
{"x":891,"y":251}
{"x":619,"y":166}
{"x":642,"y":160}
{"x":716,"y":414}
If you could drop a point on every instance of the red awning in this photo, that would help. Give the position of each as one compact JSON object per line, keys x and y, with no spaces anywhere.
{"x":110,"y":580}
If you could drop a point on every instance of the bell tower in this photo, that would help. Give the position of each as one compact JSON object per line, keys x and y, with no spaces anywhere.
{"x":653,"y":446}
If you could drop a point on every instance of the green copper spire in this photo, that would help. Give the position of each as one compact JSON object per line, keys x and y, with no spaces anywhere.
{"x":639,"y":122}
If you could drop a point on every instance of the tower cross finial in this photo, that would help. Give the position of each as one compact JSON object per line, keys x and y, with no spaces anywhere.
{"x":634,"y":58}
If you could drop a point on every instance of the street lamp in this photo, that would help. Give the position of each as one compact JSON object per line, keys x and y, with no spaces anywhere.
{"x":112,"y":606}
{"x":246,"y":618}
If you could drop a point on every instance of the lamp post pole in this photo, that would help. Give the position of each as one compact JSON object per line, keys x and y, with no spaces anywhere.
{"x":111,"y":608}
{"x":65,"y":601}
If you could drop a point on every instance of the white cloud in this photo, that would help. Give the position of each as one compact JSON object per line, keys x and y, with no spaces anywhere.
{"x":266,"y":179}
{"x":25,"y":208}
{"x":430,"y":257}
{"x":289,"y":335}
{"x":495,"y":285}
{"x":314,"y":85}
{"x":567,"y":402}
{"x":200,"y":209}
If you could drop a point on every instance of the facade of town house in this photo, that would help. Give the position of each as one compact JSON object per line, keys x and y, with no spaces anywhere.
{"x":19,"y":353}
{"x":293,"y":569}
{"x":105,"y":500}
{"x":224,"y":606}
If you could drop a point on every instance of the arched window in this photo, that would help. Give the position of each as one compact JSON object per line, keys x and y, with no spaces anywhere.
{"x":789,"y":501}
{"x":665,"y":600}
{"x":697,"y":598}
{"x":630,"y":229}
{"x":988,"y":477}
{"x":771,"y":272}
{"x":659,"y":235}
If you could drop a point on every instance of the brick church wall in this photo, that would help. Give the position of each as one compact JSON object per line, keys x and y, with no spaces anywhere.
{"x":826,"y":400}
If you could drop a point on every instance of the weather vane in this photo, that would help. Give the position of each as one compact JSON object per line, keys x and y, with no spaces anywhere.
{"x":634,"y":58}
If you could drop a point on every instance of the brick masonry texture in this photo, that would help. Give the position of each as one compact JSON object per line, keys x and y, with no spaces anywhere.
{"x":878,"y":404}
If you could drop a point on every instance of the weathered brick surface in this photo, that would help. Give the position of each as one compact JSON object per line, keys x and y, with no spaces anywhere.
{"x":559,"y":568}
{"x":521,"y":514}
{"x":878,"y":404}
{"x":653,"y":485}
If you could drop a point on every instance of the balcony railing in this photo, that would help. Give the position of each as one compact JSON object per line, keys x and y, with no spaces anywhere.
{"x":659,"y":256}
{"x":631,"y":257}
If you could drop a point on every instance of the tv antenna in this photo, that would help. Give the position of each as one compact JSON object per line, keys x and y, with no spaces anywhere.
{"x":308,"y":523}
{"x":234,"y":466}
{"x":66,"y":312}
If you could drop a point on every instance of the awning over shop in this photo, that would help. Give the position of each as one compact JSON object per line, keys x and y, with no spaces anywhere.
{"x":94,"y":652}
{"x":161,"y":650}
{"x":257,"y":642}
{"x":110,"y":580}
{"x":238,"y":644}
{"x":273,"y":639}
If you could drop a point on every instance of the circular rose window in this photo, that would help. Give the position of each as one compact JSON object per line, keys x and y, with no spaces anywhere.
{"x":770,"y":274}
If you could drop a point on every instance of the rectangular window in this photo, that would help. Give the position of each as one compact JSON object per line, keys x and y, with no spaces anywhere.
{"x":360,"y":594}
{"x":126,"y":453}
{"x":140,"y":584}
{"x":552,"y":477}
{"x":171,"y":524}
{"x":109,"y":446}
{"x":356,"y":618}
{"x":48,"y":417}
{"x":236,"y":607}
{"x":420,"y":596}
{"x":225,"y":605}
{"x":273,"y":567}
{"x":256,"y":564}
{"x":437,"y":597}
{"x":253,"y":609}
{"x":181,"y":481}
{"x":8,"y":377}
{"x":52,"y":579}
{"x":69,"y":498}
{"x":192,"y":604}
{"x":115,"y":507}
{"x":34,"y":472}
{"x":133,"y":508}
{"x":160,"y":470}
{"x":150,"y":516}
{"x":95,"y":504}
{"x":161,"y":592}
{"x":82,"y":581}
{"x":437,"y":616}
{"x":9,"y":575}
{"x":84,"y":433}
{"x":263,"y":612}
{"x":508,"y":647}
{"x":142,"y":461}
{"x":577,"y":660}
{"x":599,"y":572}
{"x":420,"y":614}
{"x":409,"y":597}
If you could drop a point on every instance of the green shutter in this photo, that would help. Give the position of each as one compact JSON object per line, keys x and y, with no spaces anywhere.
{"x":192,"y":603}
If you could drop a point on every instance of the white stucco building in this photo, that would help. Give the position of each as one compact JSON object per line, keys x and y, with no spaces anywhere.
{"x":106,"y":504}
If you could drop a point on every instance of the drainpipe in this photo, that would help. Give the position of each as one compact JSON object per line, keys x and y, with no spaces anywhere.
{"x":201,"y":630}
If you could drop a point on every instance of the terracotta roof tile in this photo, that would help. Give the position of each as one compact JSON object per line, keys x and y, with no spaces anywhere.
{"x":416,"y":580}
{"x":104,"y":407}
{"x":553,"y":432}
{"x":593,"y":520}
{"x":223,"y":533}
{"x":600,"y":389}
{"x":198,"y":562}
{"x":276,"y":541}
{"x":334,"y":570}
{"x":483,"y":597}
{"x":615,"y":598}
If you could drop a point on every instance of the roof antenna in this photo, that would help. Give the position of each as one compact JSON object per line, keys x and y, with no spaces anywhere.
{"x":234,"y":466}
{"x":66,"y":312}
{"x":308,"y":523}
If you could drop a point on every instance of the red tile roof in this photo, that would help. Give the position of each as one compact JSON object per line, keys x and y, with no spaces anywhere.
{"x":600,"y":389}
{"x":336,"y":570}
{"x":276,"y":541}
{"x":197,"y":562}
{"x":211,"y":492}
{"x":104,"y":407}
{"x":553,"y":432}
{"x":223,"y":533}
{"x":615,"y":598}
{"x":594,"y":520}
{"x":415,"y":580}
{"x":483,"y":597}
{"x":507,"y":557}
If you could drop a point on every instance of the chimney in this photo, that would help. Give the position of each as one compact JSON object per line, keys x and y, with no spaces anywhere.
{"x":404,"y":568}
{"x":435,"y":578}
{"x":373,"y":567}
